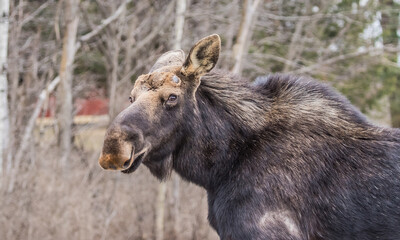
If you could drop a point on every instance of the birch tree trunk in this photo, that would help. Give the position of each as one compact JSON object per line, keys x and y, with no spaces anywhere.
{"x":160,"y":209}
{"x":248,"y":17}
{"x":179,"y":27}
{"x":179,"y":23}
{"x":13,"y":77}
{"x":65,"y":116}
{"x":4,"y":122}
{"x":113,"y":77}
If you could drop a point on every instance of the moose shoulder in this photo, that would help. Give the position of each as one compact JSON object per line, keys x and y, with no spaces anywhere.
{"x":285,"y":157}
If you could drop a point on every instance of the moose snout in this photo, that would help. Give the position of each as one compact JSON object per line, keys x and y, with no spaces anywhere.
{"x":120,"y":144}
{"x":117,"y":153}
{"x":110,"y":162}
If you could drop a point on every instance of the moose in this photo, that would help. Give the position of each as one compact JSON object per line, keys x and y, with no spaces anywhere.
{"x":284,"y":157}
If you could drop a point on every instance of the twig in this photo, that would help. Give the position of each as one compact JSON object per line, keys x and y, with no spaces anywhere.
{"x":36,"y":12}
{"x":105,"y":22}
{"x":332,"y":60}
{"x":307,"y":18}
{"x":165,"y":17}
{"x":276,"y":58}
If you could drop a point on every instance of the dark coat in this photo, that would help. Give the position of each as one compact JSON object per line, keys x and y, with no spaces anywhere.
{"x":290,"y":158}
{"x":286,"y":157}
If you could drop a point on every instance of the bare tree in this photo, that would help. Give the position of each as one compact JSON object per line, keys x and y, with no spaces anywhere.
{"x":160,"y":211}
{"x":179,"y":27}
{"x":70,"y":46}
{"x":248,"y":16}
{"x":112,"y":45}
{"x":14,"y":75}
{"x":179,"y":23}
{"x":4,"y":121}
{"x":65,"y":117}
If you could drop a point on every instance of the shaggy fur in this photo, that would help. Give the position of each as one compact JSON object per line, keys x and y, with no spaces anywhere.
{"x":283,"y":158}
{"x":294,"y":145}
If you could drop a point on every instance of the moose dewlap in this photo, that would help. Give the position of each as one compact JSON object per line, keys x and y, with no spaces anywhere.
{"x":282,"y":158}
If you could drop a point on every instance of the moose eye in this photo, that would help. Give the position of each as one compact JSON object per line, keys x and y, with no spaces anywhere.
{"x":171,"y":101}
{"x":172,"y":98}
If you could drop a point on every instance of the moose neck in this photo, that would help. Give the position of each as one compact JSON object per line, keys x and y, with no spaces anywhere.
{"x":227,"y":114}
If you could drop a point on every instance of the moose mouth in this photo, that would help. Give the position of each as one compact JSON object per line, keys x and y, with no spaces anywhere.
{"x":137,"y":160}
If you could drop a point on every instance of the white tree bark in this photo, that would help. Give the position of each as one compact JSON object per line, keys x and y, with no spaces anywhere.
{"x":113,"y":77}
{"x":4,"y":121}
{"x":179,"y":27}
{"x":179,"y":23}
{"x":160,"y":210}
{"x":65,"y":117}
{"x":248,"y":17}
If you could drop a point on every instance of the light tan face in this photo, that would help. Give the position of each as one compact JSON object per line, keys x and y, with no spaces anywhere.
{"x":159,"y":90}
{"x":149,"y":129}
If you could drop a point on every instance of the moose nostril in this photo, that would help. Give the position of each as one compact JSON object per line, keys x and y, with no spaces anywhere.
{"x":126,"y":163}
{"x":112,"y":167}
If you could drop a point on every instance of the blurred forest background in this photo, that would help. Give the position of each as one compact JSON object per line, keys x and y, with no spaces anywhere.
{"x":57,"y":55}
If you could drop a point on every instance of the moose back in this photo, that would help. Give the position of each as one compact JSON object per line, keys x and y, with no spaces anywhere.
{"x":285,"y":157}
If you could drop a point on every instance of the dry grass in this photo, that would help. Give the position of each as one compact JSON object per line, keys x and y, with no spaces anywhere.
{"x":81,"y":201}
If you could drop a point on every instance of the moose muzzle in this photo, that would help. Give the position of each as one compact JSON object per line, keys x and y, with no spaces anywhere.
{"x":123,"y":148}
{"x":117,"y":154}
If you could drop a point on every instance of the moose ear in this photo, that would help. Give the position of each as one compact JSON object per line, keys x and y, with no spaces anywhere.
{"x":171,"y":58}
{"x":202,"y":57}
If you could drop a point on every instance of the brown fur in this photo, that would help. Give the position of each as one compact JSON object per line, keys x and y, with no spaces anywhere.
{"x":283,"y":158}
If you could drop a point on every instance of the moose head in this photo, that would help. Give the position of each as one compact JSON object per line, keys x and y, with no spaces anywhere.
{"x":148,"y":130}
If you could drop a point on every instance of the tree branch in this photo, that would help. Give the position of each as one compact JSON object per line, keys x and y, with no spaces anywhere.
{"x":32,"y":120}
{"x":371,"y":50}
{"x":165,"y":17}
{"x":36,"y":12}
{"x":105,"y":22}
{"x":29,"y":128}
{"x":307,"y":18}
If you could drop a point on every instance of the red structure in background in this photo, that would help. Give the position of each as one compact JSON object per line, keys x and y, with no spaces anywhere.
{"x":91,"y":106}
